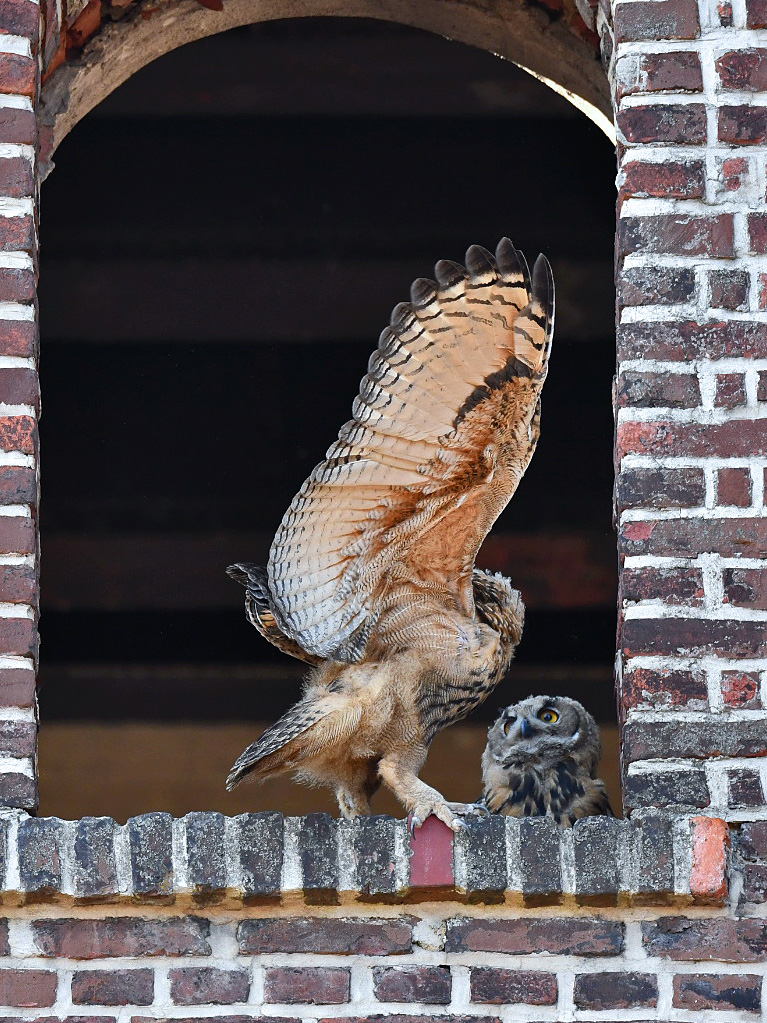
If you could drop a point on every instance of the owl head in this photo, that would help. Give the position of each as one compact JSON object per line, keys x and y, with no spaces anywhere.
{"x":543,"y":730}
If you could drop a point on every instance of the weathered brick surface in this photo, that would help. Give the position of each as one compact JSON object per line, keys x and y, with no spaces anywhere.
{"x":729,"y":289}
{"x":735,"y":438}
{"x":661,"y":488}
{"x":724,"y":940}
{"x":707,"y":738}
{"x":17,"y":74}
{"x":730,"y":390}
{"x":746,"y":587}
{"x":651,"y":688}
{"x":351,"y":936}
{"x":28,"y":989}
{"x":754,"y":883}
{"x":529,"y":936}
{"x":744,"y":789}
{"x":310,"y":985}
{"x":657,"y":390}
{"x":664,"y":122}
{"x":671,"y":585}
{"x":752,"y":840}
{"x":678,"y":234}
{"x":743,"y":125}
{"x":741,"y":689}
{"x":17,"y":687}
{"x":113,"y":987}
{"x":206,"y":985}
{"x":718,"y":991}
{"x":666,"y":788}
{"x":122,"y":936}
{"x":20,"y":18}
{"x":673,"y":179}
{"x":95,"y":865}
{"x":730,"y":537}
{"x":429,"y":984}
{"x":681,"y":341}
{"x":598,"y":991}
{"x":656,"y":286}
{"x":18,"y":584}
{"x":658,"y":19}
{"x":744,"y":70}
{"x":502,"y":987}
{"x":733,"y":487}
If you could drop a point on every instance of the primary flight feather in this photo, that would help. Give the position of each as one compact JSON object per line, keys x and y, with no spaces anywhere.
{"x":371,"y":574}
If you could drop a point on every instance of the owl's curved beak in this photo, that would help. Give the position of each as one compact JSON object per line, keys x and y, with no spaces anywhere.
{"x":527,"y":729}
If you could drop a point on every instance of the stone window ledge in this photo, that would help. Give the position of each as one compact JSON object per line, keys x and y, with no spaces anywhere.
{"x":655,"y":858}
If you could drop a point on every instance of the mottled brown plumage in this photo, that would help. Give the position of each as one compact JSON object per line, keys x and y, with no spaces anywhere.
{"x":541,"y":760}
{"x":371,"y":573}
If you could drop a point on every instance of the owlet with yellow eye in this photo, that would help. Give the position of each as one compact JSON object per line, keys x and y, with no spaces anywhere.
{"x":541,"y":760}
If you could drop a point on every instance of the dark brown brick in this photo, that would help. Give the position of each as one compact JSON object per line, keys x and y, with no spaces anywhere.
{"x":207,"y":985}
{"x":656,"y":286}
{"x":752,"y":843}
{"x":529,"y":936}
{"x":671,"y":585}
{"x":666,"y":788}
{"x":429,"y":984}
{"x":741,"y":689}
{"x":121,"y":936}
{"x":17,"y":75}
{"x":743,"y":125}
{"x":597,"y":991}
{"x":733,"y":487}
{"x":347,"y":936}
{"x":724,"y":10}
{"x":724,"y":940}
{"x":18,"y":584}
{"x":656,"y":19}
{"x":660,"y":488}
{"x":746,"y":587}
{"x":677,"y":234}
{"x":17,"y":535}
{"x":756,"y":13}
{"x":672,"y":636}
{"x":682,"y":341}
{"x":18,"y":433}
{"x":508,"y":987}
{"x":113,"y":987}
{"x":729,"y":289}
{"x":18,"y":738}
{"x":648,"y":740}
{"x":318,"y":985}
{"x":718,"y":991}
{"x":658,"y":390}
{"x":681,"y":179}
{"x":400,"y":1018}
{"x":18,"y":337}
{"x":754,"y":883}
{"x":655,"y":689}
{"x":741,"y":438}
{"x":18,"y":636}
{"x":684,"y":124}
{"x":18,"y":790}
{"x":757,"y":232}
{"x":229,"y":1018}
{"x":744,"y":789}
{"x":17,"y":126}
{"x":688,"y":537}
{"x":20,"y":18}
{"x":19,"y":387}
{"x":4,"y":946}
{"x":761,"y":387}
{"x":677,"y":71}
{"x":17,"y":285}
{"x":16,"y":177}
{"x":27,"y":989}
{"x":17,"y":234}
{"x":743,"y":70}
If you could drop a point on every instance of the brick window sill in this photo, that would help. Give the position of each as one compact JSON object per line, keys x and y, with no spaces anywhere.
{"x":656,"y":858}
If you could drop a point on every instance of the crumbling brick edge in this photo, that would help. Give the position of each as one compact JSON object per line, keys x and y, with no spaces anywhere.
{"x":205,"y":858}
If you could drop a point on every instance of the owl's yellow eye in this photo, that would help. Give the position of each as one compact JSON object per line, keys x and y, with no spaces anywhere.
{"x":548,"y":716}
{"x":507,"y":725}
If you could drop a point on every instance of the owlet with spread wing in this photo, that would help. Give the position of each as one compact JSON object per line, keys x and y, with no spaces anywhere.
{"x":541,"y":760}
{"x":371,"y":574}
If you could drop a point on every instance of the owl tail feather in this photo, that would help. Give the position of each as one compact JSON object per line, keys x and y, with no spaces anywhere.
{"x":271,"y":752}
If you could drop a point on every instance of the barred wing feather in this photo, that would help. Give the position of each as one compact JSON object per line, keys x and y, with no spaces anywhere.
{"x":443,"y":427}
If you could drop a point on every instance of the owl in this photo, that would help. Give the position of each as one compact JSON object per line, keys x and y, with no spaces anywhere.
{"x":371,"y":578}
{"x":541,"y":759}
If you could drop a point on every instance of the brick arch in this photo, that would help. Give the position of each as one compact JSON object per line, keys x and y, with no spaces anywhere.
{"x":86,"y":60}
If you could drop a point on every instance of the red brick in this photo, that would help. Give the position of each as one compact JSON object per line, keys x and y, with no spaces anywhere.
{"x":694,"y":636}
{"x":724,"y":10}
{"x":27,"y":989}
{"x":655,"y":285}
{"x":744,"y":789}
{"x":736,"y":438}
{"x":741,"y":689}
{"x":17,"y":535}
{"x":19,"y":387}
{"x":17,"y":234}
{"x":729,"y":289}
{"x":718,"y":991}
{"x":121,"y":936}
{"x":678,"y":71}
{"x":347,"y":936}
{"x":17,"y":485}
{"x":18,"y":433}
{"x":746,"y":587}
{"x":18,"y":636}
{"x":762,"y":291}
{"x":724,"y":940}
{"x":657,"y":19}
{"x":757,"y":232}
{"x":17,"y":75}
{"x":676,"y":234}
{"x":685,"y":340}
{"x":113,"y":987}
{"x":429,"y":984}
{"x":743,"y":125}
{"x":18,"y":337}
{"x":20,"y":18}
{"x":597,"y":991}
{"x":664,"y":122}
{"x":651,"y":688}
{"x":671,"y":585}
{"x":510,"y":987}
{"x":17,"y":126}
{"x":319,"y":985}
{"x":16,"y":177}
{"x":207,"y":985}
{"x":689,"y":537}
{"x":18,"y":584}
{"x":16,"y":285}
{"x":709,"y":872}
{"x":673,"y":180}
{"x":735,"y":173}
{"x":657,"y":390}
{"x":87,"y":24}
{"x":579,"y":936}
{"x":733,"y":487}
{"x":17,"y":687}
{"x":660,"y":488}
{"x":431,"y":855}
{"x":743,"y":70}
{"x":756,"y":13}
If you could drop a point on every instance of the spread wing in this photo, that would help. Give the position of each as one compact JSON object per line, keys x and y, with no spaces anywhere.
{"x":443,"y":428}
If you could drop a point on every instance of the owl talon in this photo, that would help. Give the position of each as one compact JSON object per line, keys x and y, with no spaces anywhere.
{"x":415,"y":822}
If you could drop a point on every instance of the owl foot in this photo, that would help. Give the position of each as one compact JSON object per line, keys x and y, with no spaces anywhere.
{"x":474,"y":810}
{"x":439,"y":810}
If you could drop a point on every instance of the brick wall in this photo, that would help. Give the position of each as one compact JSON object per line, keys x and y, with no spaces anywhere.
{"x":691,"y":403}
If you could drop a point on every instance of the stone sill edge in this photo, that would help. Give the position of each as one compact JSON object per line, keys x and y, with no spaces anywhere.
{"x":655,"y":858}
